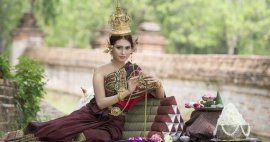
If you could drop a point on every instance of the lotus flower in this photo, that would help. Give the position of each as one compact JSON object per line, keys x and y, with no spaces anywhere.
{"x":211,"y":98}
{"x":208,"y":98}
{"x":196,"y":105}
{"x":137,"y":138}
{"x":187,"y":105}
{"x":205,"y":97}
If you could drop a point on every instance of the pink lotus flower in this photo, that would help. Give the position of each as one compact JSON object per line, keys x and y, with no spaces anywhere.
{"x":136,"y":138}
{"x":187,"y":105}
{"x":208,"y":98}
{"x":196,"y":105}
{"x":205,"y":97}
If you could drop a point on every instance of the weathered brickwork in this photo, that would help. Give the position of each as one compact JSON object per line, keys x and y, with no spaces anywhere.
{"x":239,"y":70}
{"x":242,"y":80}
{"x":7,"y":109}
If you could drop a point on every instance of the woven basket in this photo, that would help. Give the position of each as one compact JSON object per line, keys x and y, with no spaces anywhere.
{"x":232,"y":132}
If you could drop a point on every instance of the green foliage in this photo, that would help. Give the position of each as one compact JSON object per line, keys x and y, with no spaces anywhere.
{"x":30,"y":88}
{"x":190,"y":26}
{"x":12,"y":10}
{"x":201,"y":26}
{"x":5,"y":68}
{"x":77,"y":23}
{"x":47,"y":9}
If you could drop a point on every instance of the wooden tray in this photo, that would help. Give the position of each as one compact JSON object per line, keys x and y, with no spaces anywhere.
{"x":244,"y":140}
{"x":209,"y":109}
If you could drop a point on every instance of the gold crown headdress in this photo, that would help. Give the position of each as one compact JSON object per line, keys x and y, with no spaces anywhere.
{"x":120,"y":21}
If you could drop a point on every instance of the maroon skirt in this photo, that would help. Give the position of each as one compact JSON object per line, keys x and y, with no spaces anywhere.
{"x":96,"y":125}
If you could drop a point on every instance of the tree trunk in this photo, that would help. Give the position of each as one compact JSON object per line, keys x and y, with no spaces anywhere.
{"x":232,"y":45}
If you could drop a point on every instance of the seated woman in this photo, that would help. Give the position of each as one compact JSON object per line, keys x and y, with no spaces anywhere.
{"x":115,"y":85}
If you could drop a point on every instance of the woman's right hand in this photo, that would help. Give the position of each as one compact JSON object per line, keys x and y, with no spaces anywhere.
{"x":132,"y":84}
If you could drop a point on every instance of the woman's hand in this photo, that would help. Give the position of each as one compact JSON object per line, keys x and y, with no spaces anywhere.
{"x":132,"y":84}
{"x":153,"y":80}
{"x":159,"y":92}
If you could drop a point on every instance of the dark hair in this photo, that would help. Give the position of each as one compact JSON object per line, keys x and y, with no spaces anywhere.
{"x":114,"y":38}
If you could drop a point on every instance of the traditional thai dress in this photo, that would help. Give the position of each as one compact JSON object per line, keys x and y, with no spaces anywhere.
{"x":89,"y":123}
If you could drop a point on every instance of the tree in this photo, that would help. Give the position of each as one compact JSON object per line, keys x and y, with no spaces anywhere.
{"x":12,"y":10}
{"x":190,"y":26}
{"x":219,"y":27}
{"x":8,"y":19}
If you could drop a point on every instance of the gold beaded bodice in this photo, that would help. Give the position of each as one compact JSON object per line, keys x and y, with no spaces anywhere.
{"x":117,"y":80}
{"x":114,"y":81}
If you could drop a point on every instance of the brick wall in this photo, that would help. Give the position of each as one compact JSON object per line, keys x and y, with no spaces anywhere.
{"x":7,"y":108}
{"x":242,"y":70}
{"x":242,"y":80}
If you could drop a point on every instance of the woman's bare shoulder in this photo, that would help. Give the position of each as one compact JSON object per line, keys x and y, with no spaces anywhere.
{"x":103,"y":69}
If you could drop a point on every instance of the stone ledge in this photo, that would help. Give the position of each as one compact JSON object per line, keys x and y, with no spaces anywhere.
{"x":7,"y":105}
{"x":5,"y":97}
{"x":243,"y":70}
{"x":7,"y":83}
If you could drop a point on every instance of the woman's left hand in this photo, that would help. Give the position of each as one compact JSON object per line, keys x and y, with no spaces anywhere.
{"x":155,"y":83}
{"x":132,"y":84}
{"x":152,"y":79}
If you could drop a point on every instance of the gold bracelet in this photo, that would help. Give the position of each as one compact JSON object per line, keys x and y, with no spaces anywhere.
{"x":118,"y":97}
{"x":157,"y":85}
{"x":120,"y":94}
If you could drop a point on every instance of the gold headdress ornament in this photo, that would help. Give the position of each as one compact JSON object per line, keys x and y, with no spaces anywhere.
{"x":119,"y":21}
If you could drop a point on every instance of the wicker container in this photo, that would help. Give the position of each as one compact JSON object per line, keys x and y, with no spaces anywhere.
{"x":232,"y":132}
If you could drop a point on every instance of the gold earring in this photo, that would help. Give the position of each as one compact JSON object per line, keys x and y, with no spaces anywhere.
{"x":109,"y":47}
{"x":110,"y":52}
{"x":131,"y":57}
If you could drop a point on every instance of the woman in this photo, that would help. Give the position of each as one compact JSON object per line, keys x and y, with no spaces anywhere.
{"x":95,"y":122}
{"x":118,"y":86}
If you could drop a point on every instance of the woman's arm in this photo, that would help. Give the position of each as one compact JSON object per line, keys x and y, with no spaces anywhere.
{"x":99,"y":89}
{"x":159,"y":92}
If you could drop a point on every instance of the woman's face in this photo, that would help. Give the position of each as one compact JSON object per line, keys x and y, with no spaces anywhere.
{"x":121,"y":50}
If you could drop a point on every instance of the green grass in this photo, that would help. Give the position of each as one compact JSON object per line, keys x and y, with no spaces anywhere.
{"x":61,"y":101}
